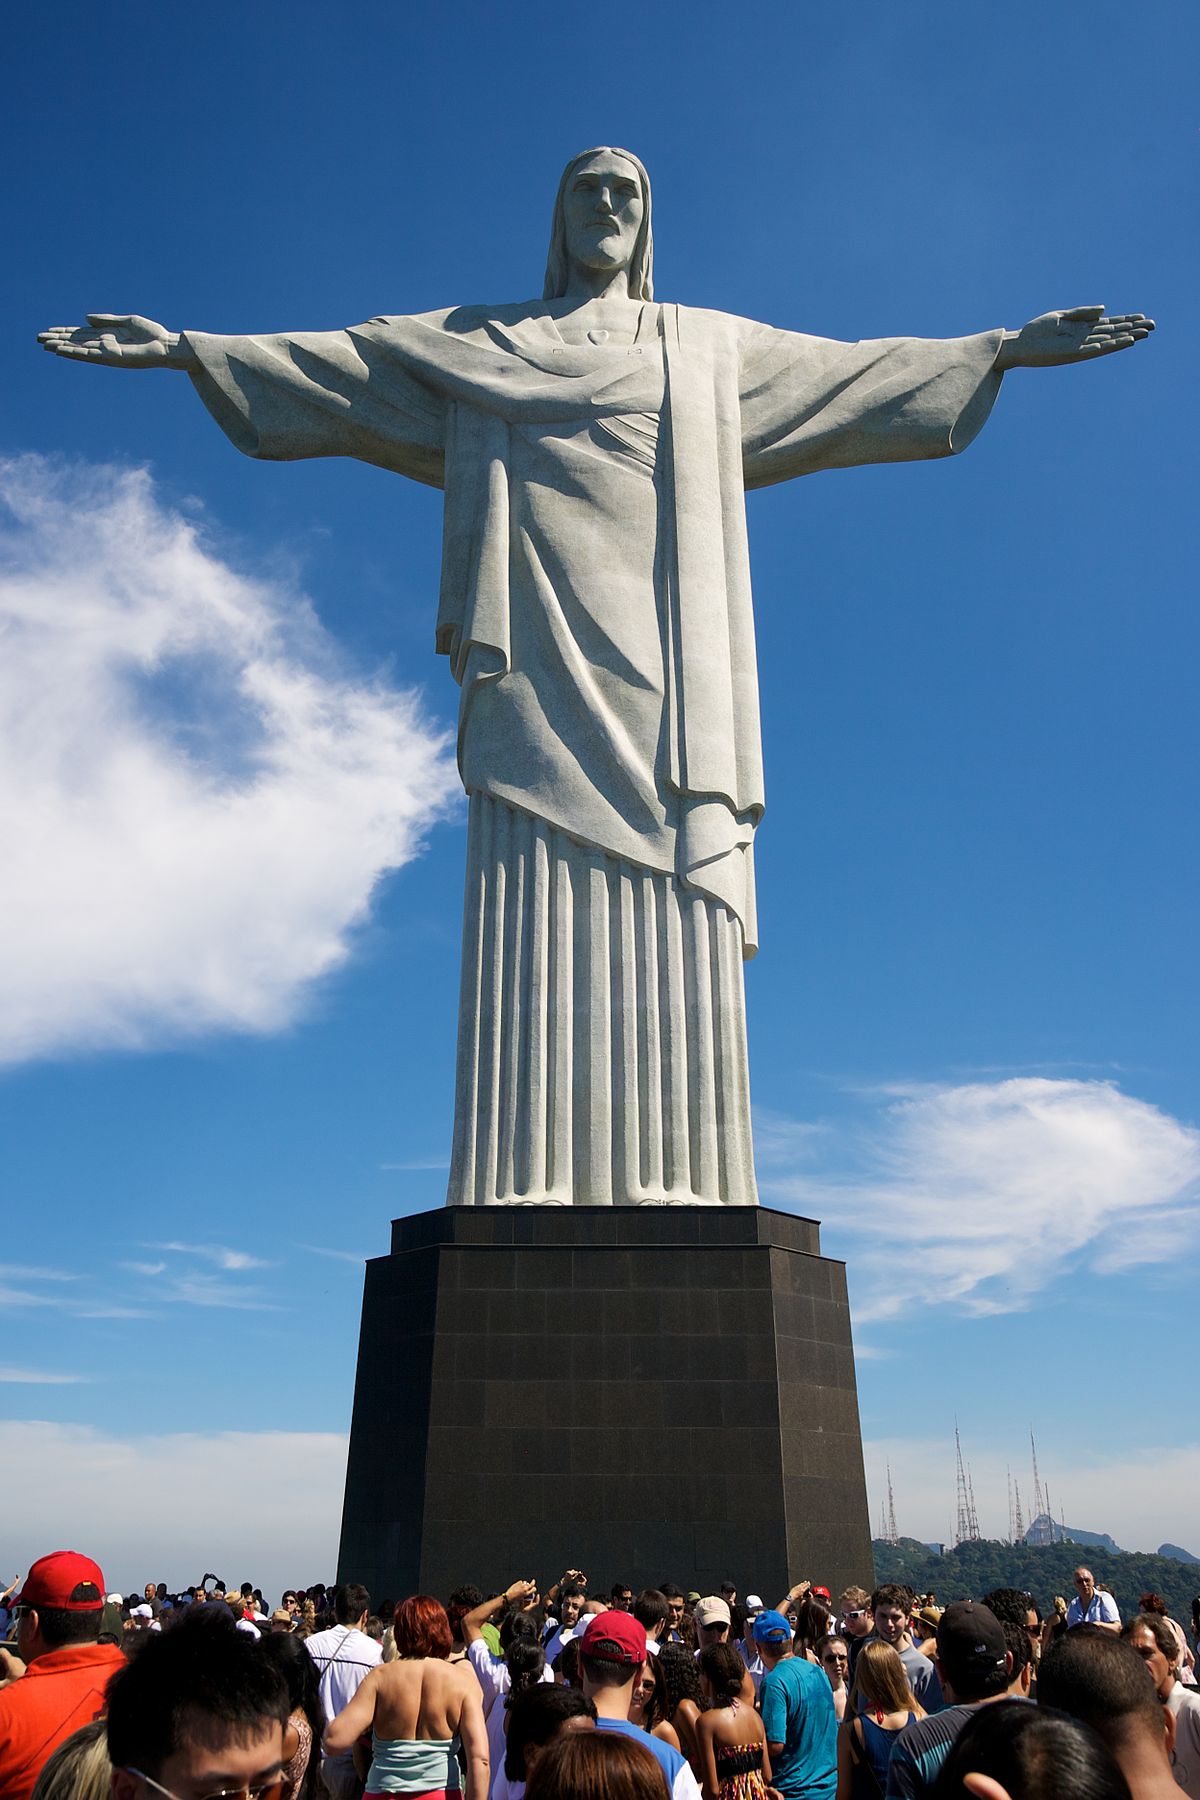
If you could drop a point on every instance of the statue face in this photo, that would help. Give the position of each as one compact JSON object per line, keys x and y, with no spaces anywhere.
{"x":603,"y":210}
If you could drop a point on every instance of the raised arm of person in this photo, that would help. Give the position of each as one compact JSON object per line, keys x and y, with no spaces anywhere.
{"x":473,"y":1733}
{"x":120,"y":341}
{"x":355,"y":1718}
{"x":517,"y":1593}
{"x":794,"y":1594}
{"x":1078,"y":335}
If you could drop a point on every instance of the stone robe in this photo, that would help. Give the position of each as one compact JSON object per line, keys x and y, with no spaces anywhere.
{"x":596,"y":610}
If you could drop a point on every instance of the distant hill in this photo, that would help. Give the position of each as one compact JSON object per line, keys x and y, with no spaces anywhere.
{"x":1179,"y":1555}
{"x":1045,"y":1530}
{"x":968,"y":1572}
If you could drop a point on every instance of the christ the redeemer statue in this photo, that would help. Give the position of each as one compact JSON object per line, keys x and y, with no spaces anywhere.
{"x":594,"y":448}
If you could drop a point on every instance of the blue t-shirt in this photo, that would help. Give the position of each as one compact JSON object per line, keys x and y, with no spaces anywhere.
{"x":669,"y":1761}
{"x":796,"y":1701}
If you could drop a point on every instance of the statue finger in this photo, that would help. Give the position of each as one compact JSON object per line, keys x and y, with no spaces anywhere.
{"x":1079,"y":315}
{"x":108,"y":318}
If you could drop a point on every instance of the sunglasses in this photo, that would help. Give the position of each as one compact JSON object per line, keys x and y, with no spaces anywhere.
{"x":259,"y":1790}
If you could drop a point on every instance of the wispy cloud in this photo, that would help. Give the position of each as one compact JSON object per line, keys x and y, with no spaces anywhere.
{"x":144,"y":1268}
{"x":984,"y":1194}
{"x":358,"y":1258}
{"x":211,"y":1290}
{"x":27,"y":1272}
{"x":39,"y":1377}
{"x":197,"y":797}
{"x":417,"y":1163}
{"x":220,"y":1254}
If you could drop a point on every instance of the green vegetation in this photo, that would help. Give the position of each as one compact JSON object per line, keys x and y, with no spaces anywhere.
{"x":971,"y":1570}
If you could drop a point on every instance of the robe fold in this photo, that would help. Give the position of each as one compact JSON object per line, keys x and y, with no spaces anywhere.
{"x":596,"y":610}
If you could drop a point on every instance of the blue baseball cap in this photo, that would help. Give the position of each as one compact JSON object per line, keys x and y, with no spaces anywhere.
{"x":772,"y":1628}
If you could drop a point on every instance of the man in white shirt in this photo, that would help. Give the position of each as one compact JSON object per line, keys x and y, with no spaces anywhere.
{"x":344,"y":1657}
{"x":571,"y":1619}
{"x":1092,"y":1605}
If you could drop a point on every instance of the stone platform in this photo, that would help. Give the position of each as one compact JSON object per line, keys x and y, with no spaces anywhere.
{"x":639,"y":1392}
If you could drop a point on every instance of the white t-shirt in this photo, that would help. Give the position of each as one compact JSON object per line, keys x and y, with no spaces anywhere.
{"x":344,"y":1658}
{"x":564,"y":1634}
{"x":493,"y":1674}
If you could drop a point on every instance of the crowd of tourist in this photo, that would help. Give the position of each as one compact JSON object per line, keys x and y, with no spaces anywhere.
{"x":661,"y":1694}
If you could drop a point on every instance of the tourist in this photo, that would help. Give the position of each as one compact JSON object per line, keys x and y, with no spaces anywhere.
{"x":1103,"y":1682}
{"x":462,"y":1601}
{"x":748,"y":1649}
{"x":79,"y":1769}
{"x":612,"y":1651}
{"x":1151,"y":1636}
{"x":854,"y":1614}
{"x":516,"y":1604}
{"x":652,"y":1610}
{"x":572,"y":1596}
{"x":418,"y":1710}
{"x":198,"y":1711}
{"x":344,"y":1656}
{"x":796,"y":1702}
{"x":58,"y":1674}
{"x":891,"y":1606}
{"x":814,"y":1622}
{"x":974,"y":1670}
{"x":536,"y":1717}
{"x":883,"y":1705}
{"x":1092,"y":1605}
{"x":621,"y":1597}
{"x":679,"y":1683}
{"x":596,"y":1765}
{"x":306,"y":1719}
{"x":648,"y":1704}
{"x":1154,"y":1603}
{"x":713,"y":1621}
{"x":677,"y":1607}
{"x":833,"y":1654}
{"x":730,"y":1736}
{"x":525,"y":1661}
{"x":1029,"y":1753}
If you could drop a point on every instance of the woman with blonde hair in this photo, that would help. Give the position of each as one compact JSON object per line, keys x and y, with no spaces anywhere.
{"x":79,"y":1769}
{"x":881,"y":1704}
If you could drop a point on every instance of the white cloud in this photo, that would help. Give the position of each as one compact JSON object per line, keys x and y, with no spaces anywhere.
{"x":169,"y":1506}
{"x":358,"y":1258}
{"x":196,"y":798}
{"x":1142,"y":1494}
{"x":144,"y":1268}
{"x":982,"y":1195}
{"x":38,"y":1377}
{"x":221,"y":1254}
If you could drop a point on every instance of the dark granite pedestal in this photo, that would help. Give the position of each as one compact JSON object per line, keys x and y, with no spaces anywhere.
{"x":640,"y":1392}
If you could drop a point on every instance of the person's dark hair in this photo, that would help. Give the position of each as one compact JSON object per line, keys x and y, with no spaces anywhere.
{"x":299,"y":1671}
{"x":204,"y":1680}
{"x":813,"y":1622}
{"x":566,"y":1663}
{"x":468,"y":1597}
{"x":651,"y":1609}
{"x":525,"y":1660}
{"x":654,"y":1702}
{"x":535,"y":1715}
{"x":1092,"y":1675}
{"x":516,"y":1625}
{"x":61,"y":1625}
{"x":679,"y":1677}
{"x":421,"y":1627}
{"x":1152,"y":1603}
{"x":669,"y":1591}
{"x":1156,"y":1625}
{"x":1035,"y":1753}
{"x":724,"y":1669}
{"x":572,"y":1590}
{"x":247,"y":1590}
{"x":1008,"y":1604}
{"x":350,"y":1601}
{"x":893,"y":1593}
{"x":596,"y":1765}
{"x":640,"y":278}
{"x":1016,"y":1642}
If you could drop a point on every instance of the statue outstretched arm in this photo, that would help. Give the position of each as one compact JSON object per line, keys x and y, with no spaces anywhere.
{"x":1077,"y":335}
{"x":122,"y":340}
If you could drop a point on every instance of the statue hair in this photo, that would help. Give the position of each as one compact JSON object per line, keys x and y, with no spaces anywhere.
{"x":641,"y":266}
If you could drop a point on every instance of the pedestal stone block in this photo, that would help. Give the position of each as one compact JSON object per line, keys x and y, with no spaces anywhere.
{"x":640,"y":1392}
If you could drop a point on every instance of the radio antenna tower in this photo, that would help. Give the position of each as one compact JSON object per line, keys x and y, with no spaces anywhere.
{"x":890,"y":1532}
{"x":1018,"y":1515}
{"x":967,"y":1526}
{"x":1040,"y":1504}
{"x":1012,"y":1521}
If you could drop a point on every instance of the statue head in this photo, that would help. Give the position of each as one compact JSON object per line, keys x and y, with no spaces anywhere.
{"x":602,"y":218}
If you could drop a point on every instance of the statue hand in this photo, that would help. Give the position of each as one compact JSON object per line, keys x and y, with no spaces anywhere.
{"x":123,"y":340}
{"x":1068,"y":337}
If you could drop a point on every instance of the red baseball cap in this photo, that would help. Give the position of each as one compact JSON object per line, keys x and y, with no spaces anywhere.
{"x":614,"y":1637}
{"x":821,"y":1593}
{"x":53,"y":1579}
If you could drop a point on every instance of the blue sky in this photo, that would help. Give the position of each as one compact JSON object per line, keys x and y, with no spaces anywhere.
{"x":230,"y":952}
